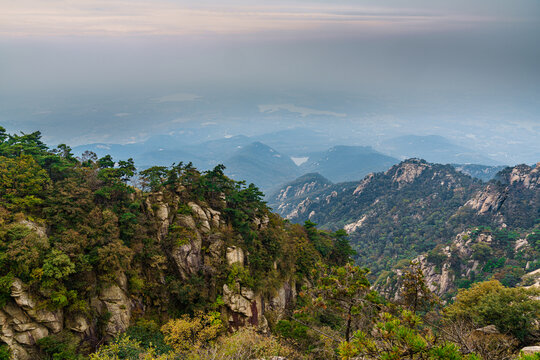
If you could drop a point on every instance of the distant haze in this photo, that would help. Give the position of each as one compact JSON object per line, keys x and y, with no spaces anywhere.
{"x":360,"y":73}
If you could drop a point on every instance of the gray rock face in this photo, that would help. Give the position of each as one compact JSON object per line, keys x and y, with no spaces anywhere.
{"x":238,"y":301}
{"x":360,"y":188}
{"x":407,"y":172}
{"x":530,"y":350}
{"x":487,"y":200}
{"x":494,"y":198}
{"x":526,"y":176}
{"x":187,"y":256}
{"x":78,"y":323}
{"x":53,"y":320}
{"x":159,"y":209}
{"x":114,"y":301}
{"x":283,"y":299}
{"x":291,"y":191}
{"x":41,"y":231}
{"x":300,"y":209}
{"x":23,"y":323}
{"x":202,"y":216}
{"x":245,"y":307}
{"x":235,"y":255}
{"x":490,"y":329}
{"x":442,"y":278}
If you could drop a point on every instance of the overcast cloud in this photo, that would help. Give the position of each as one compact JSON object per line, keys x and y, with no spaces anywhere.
{"x":117,"y":70}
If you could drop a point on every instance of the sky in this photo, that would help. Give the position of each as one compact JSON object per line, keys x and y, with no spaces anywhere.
{"x":86,"y":71}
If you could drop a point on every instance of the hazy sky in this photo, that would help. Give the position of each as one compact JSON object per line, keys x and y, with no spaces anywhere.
{"x":82,"y":70}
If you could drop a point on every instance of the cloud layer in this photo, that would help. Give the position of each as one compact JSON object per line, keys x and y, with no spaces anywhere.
{"x":161,"y":17}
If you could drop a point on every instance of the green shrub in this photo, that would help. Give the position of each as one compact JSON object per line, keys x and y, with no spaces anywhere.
{"x":5,"y":353}
{"x":147,"y":333}
{"x":121,"y":348}
{"x":62,"y":346}
{"x":512,"y":310}
{"x":535,"y":356}
{"x":184,"y":209}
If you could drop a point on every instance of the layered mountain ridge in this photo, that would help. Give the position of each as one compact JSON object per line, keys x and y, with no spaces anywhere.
{"x":415,"y":206}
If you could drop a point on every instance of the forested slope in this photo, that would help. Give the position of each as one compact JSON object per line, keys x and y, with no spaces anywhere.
{"x":84,"y":253}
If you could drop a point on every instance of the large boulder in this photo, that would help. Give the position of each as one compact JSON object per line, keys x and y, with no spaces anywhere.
{"x":530,"y":350}
{"x":235,"y":255}
{"x":115,"y":302}
{"x":51,"y":319}
{"x":244,"y":307}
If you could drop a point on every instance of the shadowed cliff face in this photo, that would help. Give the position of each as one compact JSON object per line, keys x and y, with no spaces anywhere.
{"x":512,"y":199}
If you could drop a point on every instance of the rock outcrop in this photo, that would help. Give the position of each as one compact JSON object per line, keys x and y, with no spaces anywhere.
{"x":408,"y":171}
{"x":487,"y":200}
{"x":525,"y":176}
{"x":23,"y":322}
{"x":471,"y":254}
{"x":114,"y":302}
{"x":515,"y":191}
{"x":530,"y":350}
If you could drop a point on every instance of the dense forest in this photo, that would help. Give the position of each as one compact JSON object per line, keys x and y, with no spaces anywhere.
{"x":99,"y":261}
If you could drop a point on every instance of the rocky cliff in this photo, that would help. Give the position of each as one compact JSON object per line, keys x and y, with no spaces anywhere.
{"x":287,"y":200}
{"x":512,"y":199}
{"x":473,"y":256}
{"x":194,"y":240}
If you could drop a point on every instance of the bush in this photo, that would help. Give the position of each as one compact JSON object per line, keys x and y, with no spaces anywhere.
{"x":5,"y":354}
{"x":62,"y":346}
{"x":245,"y":344}
{"x":398,"y":338}
{"x":512,"y":310}
{"x":147,"y":333}
{"x":436,"y":256}
{"x":535,"y":356}
{"x":481,"y":251}
{"x":188,"y":333}
{"x":121,"y":348}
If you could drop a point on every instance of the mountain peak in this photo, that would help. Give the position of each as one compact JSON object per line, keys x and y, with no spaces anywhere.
{"x":347,"y":163}
{"x":407,"y":171}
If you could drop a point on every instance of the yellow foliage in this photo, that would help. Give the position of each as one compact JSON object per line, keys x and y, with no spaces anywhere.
{"x":188,"y":333}
{"x":245,"y":344}
{"x":22,"y":181}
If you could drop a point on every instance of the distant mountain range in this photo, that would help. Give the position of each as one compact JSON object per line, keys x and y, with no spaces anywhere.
{"x":266,"y":161}
{"x":347,"y":163}
{"x":482,"y":172}
{"x":262,"y":165}
{"x":433,"y":148}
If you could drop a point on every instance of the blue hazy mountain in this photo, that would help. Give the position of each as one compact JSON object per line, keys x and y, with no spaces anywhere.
{"x":482,"y":172}
{"x":347,"y":163}
{"x":433,"y":148}
{"x":260,"y":164}
{"x":297,"y":141}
